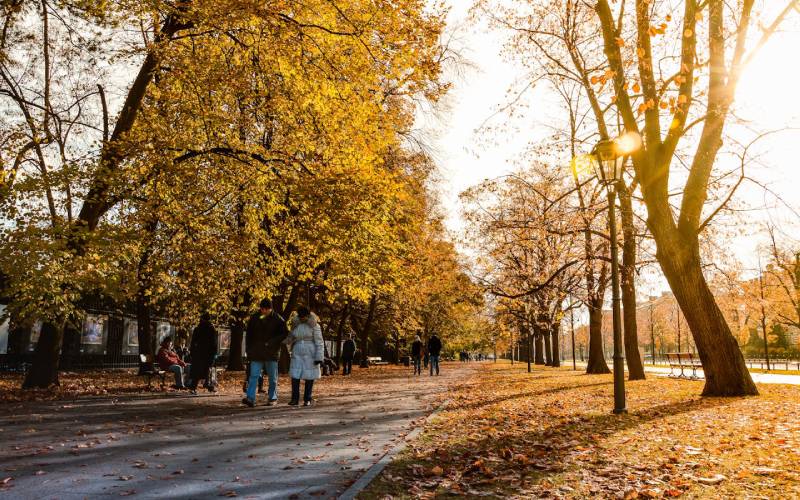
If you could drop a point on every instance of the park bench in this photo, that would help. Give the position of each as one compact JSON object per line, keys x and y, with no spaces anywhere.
{"x":149,"y":369}
{"x":683,"y":361}
{"x":376,"y":360}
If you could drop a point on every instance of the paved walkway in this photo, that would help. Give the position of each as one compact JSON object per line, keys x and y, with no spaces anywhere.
{"x":178,"y":446}
{"x":759,"y":378}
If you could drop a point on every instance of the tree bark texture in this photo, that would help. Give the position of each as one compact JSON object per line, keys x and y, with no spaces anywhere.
{"x":539,"y":351}
{"x":235,"y":361}
{"x":597,"y":361}
{"x":628,"y":286}
{"x":723,"y":364}
{"x":554,"y":331}
{"x":548,"y":348}
{"x":364,"y":340}
{"x":44,"y":369}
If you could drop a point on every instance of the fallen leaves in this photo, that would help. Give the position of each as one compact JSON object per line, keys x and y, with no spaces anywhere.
{"x":550,"y":434}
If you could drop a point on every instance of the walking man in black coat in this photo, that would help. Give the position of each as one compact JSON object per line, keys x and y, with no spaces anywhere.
{"x":434,"y":349}
{"x":204,"y":348}
{"x":348,"y":352}
{"x":266,"y":331}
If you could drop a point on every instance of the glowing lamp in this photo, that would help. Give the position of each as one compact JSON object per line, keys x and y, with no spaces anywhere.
{"x":609,"y":162}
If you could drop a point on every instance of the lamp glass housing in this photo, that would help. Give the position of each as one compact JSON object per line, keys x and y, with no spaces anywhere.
{"x":609,"y":162}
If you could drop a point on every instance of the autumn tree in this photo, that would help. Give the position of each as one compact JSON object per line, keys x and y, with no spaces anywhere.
{"x":520,"y":227}
{"x":219,"y":90}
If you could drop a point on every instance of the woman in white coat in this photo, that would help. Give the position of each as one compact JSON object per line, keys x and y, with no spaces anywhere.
{"x":308,"y":352}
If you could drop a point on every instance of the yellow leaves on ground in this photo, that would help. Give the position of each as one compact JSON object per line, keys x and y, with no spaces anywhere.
{"x":553,"y":435}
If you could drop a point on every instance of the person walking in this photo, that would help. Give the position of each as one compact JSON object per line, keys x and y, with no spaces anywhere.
{"x":204,"y":348}
{"x":308,"y":351}
{"x":434,"y":349}
{"x":348,"y":352}
{"x":266,"y":331}
{"x":169,"y":361}
{"x":416,"y":355}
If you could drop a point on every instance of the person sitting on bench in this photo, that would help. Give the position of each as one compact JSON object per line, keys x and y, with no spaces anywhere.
{"x":169,"y":361}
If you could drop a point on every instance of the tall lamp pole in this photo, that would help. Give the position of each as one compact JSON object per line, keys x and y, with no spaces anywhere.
{"x":611,"y":156}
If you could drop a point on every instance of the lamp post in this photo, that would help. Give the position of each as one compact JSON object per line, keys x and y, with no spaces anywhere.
{"x":611,"y":156}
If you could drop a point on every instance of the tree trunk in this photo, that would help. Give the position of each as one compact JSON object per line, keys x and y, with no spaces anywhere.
{"x":43,"y":372}
{"x":340,"y":332}
{"x":144,"y":331}
{"x":539,"y":354}
{"x":723,"y":364}
{"x":628,"y":286}
{"x":548,"y":348}
{"x":556,"y":359}
{"x":235,"y":361}
{"x":364,"y":341}
{"x":597,"y":361}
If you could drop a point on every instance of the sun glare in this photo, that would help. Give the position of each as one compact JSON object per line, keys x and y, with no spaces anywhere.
{"x":582,"y":165}
{"x":628,"y":142}
{"x":767,"y":90}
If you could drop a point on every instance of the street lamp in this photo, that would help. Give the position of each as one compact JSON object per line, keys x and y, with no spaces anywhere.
{"x":611,"y":156}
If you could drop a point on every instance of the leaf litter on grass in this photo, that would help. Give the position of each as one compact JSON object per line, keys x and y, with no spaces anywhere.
{"x":508,"y":433}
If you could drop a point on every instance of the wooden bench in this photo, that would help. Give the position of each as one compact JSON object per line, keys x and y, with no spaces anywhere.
{"x":376,"y":360}
{"x":683,"y":361}
{"x":149,"y":369}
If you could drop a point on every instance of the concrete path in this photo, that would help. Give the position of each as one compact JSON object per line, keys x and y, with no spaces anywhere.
{"x":758,"y":378}
{"x":179,"y":446}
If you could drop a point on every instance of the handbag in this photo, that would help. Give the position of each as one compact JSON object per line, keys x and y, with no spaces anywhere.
{"x":212,"y":377}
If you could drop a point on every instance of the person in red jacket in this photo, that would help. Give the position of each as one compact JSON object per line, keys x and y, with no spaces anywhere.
{"x":169,"y":361}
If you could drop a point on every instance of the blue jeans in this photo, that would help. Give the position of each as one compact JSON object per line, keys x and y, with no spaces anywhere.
{"x":178,"y":371}
{"x":434,"y":364}
{"x":417,"y":365}
{"x":271,"y":367}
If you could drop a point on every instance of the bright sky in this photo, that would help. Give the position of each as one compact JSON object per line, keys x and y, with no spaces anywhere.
{"x":469,"y":150}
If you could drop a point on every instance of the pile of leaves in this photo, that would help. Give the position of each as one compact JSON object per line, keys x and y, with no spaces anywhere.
{"x":551,"y":434}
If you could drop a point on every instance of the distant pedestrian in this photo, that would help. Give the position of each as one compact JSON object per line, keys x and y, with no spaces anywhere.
{"x":434,"y":349}
{"x":348,"y":353}
{"x":416,"y":355}
{"x":266,"y":331}
{"x":169,"y":361}
{"x":308,"y":351}
{"x":204,"y":348}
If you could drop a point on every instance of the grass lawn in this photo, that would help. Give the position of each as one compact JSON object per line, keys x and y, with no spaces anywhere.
{"x":506,"y":433}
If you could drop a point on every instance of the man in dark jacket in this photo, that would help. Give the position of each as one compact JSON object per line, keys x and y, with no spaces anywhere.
{"x":434,"y":349}
{"x":266,"y":331}
{"x":348,"y":352}
{"x":204,"y":348}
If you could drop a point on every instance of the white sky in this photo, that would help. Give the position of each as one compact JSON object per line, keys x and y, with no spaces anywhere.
{"x":768,"y":98}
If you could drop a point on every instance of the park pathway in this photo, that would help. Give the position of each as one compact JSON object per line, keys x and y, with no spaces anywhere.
{"x":178,"y":446}
{"x":758,"y":377}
